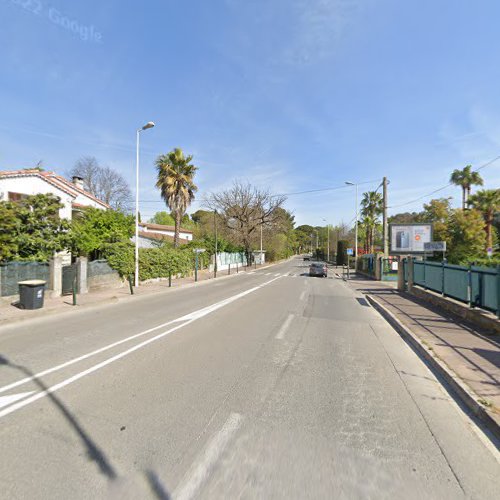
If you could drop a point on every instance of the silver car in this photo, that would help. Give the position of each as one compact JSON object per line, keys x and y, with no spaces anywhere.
{"x":318,"y":269}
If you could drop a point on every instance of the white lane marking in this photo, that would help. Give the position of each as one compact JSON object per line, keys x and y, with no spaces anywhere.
{"x":189,"y":318}
{"x":277,"y":274}
{"x":105,"y":348}
{"x":268,"y":274}
{"x":252,"y":272}
{"x":200,"y":470}
{"x":284,"y":327}
{"x":303,"y":295}
{"x":12,"y":398}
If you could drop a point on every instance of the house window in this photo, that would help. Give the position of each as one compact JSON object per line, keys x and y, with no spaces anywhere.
{"x":17,"y":196}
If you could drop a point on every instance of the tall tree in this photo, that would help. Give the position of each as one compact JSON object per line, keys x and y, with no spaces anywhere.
{"x":175,"y":181}
{"x":466,"y":178}
{"x":244,"y":208}
{"x":103,"y":182}
{"x":371,"y":208}
{"x":487,"y":201}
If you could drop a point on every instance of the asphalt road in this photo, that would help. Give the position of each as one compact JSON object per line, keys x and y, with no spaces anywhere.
{"x":262,"y":385}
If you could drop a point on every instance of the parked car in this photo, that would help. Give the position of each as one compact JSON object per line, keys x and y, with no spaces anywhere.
{"x":307,"y":257}
{"x":318,"y":269}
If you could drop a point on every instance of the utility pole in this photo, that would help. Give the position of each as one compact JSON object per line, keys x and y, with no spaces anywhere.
{"x":215,"y":228}
{"x":384,"y":218}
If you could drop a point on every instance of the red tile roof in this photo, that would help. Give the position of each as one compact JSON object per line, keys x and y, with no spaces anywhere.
{"x":160,"y":237}
{"x":161,"y":227}
{"x":55,"y":180}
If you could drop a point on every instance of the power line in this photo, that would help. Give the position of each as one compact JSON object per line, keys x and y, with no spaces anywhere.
{"x":488,"y":163}
{"x":343,"y":186}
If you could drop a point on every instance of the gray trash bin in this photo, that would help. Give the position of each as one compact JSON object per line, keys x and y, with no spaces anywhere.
{"x":31,"y":294}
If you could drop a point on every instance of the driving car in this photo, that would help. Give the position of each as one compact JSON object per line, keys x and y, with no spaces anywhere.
{"x":318,"y":269}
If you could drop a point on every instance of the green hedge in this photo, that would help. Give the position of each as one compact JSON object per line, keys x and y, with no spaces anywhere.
{"x":153,"y":262}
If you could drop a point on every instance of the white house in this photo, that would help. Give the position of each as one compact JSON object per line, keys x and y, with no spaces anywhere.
{"x":151,"y":235}
{"x":17,"y":184}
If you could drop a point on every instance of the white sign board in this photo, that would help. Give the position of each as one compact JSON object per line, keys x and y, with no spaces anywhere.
{"x":435,"y":246}
{"x":410,"y":238}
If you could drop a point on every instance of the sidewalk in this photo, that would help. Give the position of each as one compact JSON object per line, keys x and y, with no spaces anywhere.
{"x":467,"y":357}
{"x":11,"y":314}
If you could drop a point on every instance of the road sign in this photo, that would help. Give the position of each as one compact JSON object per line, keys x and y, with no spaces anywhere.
{"x":199,"y":250}
{"x":350,"y":251}
{"x":489,"y":251}
{"x":435,"y":246}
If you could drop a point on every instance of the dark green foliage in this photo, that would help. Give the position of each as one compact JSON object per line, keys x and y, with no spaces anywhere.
{"x":342,"y":246}
{"x":93,"y":229}
{"x":31,"y":229}
{"x":154,"y":262}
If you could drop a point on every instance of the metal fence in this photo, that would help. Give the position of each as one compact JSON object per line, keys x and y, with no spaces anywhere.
{"x":476,"y":286}
{"x":366,"y":264}
{"x":99,"y":268}
{"x":13,"y":272}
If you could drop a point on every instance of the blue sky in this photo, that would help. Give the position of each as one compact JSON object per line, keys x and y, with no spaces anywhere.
{"x":293,"y":95}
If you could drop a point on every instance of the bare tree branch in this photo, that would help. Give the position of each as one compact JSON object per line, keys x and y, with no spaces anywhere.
{"x":103,"y":182}
{"x":244,"y":208}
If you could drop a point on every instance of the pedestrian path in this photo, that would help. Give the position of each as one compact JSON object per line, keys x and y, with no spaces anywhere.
{"x":472,"y":354}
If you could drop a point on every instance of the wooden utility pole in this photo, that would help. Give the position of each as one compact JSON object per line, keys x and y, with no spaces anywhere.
{"x":384,"y":218}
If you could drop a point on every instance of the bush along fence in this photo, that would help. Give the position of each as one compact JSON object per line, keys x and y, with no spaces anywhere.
{"x":474,"y":285}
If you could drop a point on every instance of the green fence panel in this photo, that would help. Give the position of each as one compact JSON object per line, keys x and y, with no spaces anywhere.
{"x":456,"y":282}
{"x":13,"y":272}
{"x":484,"y":287}
{"x":418,"y":273}
{"x":434,"y":276}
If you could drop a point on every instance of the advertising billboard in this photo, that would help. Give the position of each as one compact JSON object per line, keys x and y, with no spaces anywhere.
{"x":409,"y":238}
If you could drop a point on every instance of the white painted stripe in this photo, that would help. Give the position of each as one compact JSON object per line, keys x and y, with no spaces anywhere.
{"x":284,"y":327}
{"x":12,"y":398}
{"x":251,"y":272}
{"x":268,"y":274}
{"x":189,"y":318}
{"x":200,"y":470}
{"x":303,"y":295}
{"x":277,"y":274}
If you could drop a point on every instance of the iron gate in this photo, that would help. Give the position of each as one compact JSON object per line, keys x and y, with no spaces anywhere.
{"x":68,"y":279}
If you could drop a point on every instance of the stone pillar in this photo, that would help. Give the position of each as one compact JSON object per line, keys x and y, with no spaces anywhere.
{"x":55,"y":282}
{"x":401,"y":275}
{"x":378,"y":267}
{"x":81,"y":275}
{"x":410,"y":273}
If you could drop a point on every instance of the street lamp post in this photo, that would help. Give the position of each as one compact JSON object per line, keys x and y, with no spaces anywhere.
{"x":215,"y":230}
{"x":327,"y":241}
{"x":148,"y":125}
{"x":356,"y":223}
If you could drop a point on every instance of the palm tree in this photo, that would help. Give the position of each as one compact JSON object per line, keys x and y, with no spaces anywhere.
{"x":371,"y":208}
{"x":466,"y":178}
{"x":175,"y":181}
{"x":487,"y":201}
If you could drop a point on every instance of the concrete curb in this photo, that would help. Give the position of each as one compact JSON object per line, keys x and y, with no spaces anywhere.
{"x":466,"y":395}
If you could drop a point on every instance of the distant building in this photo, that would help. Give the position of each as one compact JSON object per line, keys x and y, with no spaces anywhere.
{"x":152,"y":235}
{"x":18,"y":184}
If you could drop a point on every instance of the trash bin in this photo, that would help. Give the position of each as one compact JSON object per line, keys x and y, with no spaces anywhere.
{"x":31,"y":294}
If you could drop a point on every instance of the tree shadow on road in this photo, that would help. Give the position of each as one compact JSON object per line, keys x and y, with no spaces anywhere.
{"x":94,"y":452}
